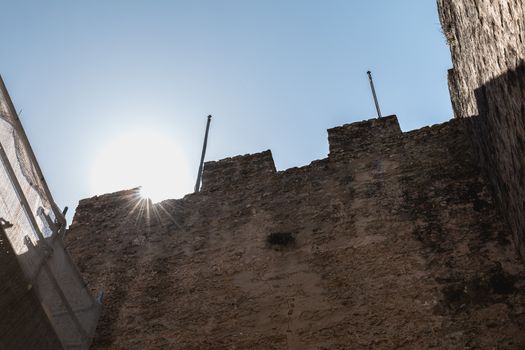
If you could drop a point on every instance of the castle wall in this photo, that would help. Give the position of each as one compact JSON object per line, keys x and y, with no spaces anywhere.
{"x":391,"y":241}
{"x":487,"y":84}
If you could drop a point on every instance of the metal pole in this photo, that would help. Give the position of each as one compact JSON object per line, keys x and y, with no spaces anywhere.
{"x":374,"y":93}
{"x":199,"y":175}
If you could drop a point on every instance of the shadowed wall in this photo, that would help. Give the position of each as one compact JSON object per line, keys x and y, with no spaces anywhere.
{"x":23,"y":323}
{"x":487,"y":84}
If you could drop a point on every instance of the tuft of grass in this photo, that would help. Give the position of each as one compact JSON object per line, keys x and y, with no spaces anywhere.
{"x":448,"y":33}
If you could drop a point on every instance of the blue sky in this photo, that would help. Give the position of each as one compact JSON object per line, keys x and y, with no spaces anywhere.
{"x":274,"y":74}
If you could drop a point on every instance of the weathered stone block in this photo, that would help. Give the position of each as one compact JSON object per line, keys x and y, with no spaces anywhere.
{"x":358,"y":137}
{"x":237,"y":171}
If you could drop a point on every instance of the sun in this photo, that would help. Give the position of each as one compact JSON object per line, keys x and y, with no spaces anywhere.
{"x":143,"y":158}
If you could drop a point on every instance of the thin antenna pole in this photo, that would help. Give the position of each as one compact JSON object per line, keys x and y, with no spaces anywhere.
{"x":374,"y":93}
{"x":199,"y":175}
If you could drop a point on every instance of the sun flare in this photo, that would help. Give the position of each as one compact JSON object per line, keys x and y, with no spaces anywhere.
{"x":147,"y":159}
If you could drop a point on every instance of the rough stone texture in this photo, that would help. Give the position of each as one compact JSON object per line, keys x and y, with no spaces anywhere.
{"x":23,"y":322}
{"x":486,"y":39}
{"x":237,"y":171}
{"x":393,"y":241}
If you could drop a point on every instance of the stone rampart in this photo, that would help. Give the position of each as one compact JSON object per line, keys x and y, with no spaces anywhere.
{"x":393,"y":241}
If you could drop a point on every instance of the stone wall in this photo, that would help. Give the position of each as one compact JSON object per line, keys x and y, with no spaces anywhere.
{"x":487,"y":84}
{"x":392,"y":241}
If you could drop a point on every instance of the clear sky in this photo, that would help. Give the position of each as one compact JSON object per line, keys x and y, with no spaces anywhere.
{"x":99,"y":83}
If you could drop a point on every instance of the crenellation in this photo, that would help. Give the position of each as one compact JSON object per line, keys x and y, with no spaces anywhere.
{"x":352,"y":139}
{"x":237,"y":171}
